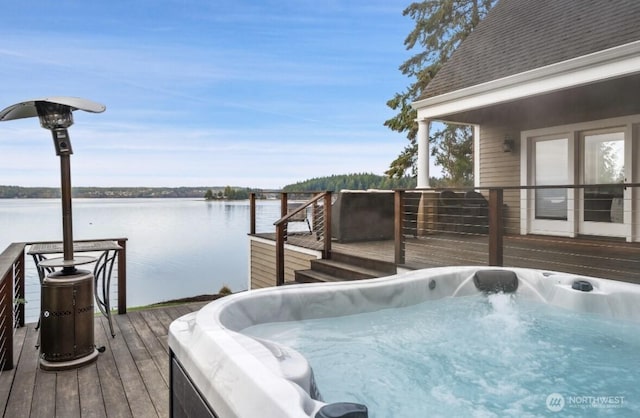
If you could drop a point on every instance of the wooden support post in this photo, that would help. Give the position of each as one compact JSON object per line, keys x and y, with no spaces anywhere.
{"x":399,"y":243}
{"x":279,"y":254}
{"x":284,"y":202}
{"x":327,"y":225}
{"x":281,"y":232}
{"x":496,"y":228}
{"x":252,"y":213}
{"x":122,"y":277}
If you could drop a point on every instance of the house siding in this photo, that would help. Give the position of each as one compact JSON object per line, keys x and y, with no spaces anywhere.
{"x":501,"y":169}
{"x":263,"y":263}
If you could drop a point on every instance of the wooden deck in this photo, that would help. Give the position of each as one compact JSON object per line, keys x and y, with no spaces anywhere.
{"x":591,"y":257}
{"x":130,"y":379}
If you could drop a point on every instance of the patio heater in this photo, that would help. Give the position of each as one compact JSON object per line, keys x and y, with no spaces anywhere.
{"x":66,"y":309}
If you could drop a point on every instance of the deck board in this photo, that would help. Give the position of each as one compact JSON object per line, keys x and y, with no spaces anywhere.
{"x":5,"y":384}
{"x":608,"y":259}
{"x":67,"y":393}
{"x":91,"y":401}
{"x":113,"y":391}
{"x":130,"y":379}
{"x":21,"y":394}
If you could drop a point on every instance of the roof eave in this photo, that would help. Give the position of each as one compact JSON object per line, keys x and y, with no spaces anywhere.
{"x":599,"y":66}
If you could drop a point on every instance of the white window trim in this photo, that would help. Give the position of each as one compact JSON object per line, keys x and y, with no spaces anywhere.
{"x":630,"y":126}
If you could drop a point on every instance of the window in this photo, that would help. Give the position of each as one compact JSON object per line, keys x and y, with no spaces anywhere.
{"x":551,"y":159}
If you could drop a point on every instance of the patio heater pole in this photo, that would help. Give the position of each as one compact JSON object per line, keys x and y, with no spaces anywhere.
{"x":57,"y":118}
{"x":67,"y":222}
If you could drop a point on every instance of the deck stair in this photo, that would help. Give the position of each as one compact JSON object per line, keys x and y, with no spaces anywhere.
{"x":344,"y":267}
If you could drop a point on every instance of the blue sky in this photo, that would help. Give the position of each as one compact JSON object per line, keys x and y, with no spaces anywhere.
{"x":204,"y":92}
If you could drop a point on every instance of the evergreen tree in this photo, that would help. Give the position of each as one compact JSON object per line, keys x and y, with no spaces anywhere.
{"x":362,"y":181}
{"x":440,"y":26}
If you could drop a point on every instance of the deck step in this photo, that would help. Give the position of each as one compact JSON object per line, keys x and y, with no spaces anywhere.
{"x":378,"y":265}
{"x":312,"y":276}
{"x":333,"y":271}
{"x":343,"y":270}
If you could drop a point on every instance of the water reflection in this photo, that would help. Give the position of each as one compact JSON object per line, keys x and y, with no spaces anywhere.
{"x":176,"y":247}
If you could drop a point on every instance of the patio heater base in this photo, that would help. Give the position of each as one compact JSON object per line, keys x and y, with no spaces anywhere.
{"x":67,"y":321}
{"x":57,"y":366}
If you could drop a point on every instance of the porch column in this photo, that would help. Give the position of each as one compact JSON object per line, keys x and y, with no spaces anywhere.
{"x":423,"y":153}
{"x":426,"y":205}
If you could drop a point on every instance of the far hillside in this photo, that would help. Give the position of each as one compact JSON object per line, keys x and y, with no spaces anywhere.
{"x":336,"y":183}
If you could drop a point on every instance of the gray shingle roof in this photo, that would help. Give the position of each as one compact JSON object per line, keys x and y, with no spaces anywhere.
{"x":521,"y":35}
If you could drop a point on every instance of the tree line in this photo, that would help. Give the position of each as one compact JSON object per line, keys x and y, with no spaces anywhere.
{"x":230,"y":193}
{"x":362,"y":181}
{"x":17,"y":192}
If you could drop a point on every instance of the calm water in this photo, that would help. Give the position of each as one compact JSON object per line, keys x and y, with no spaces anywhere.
{"x":176,"y":248}
{"x":471,"y":357}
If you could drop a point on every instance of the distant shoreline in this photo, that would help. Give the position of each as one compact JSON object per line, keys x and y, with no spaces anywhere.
{"x":18,"y":192}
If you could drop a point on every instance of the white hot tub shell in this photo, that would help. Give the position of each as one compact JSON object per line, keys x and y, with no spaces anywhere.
{"x":219,"y":371}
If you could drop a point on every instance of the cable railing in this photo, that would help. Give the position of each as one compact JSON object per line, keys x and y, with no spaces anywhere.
{"x":588,"y":229}
{"x":591,"y":230}
{"x":319,"y":236}
{"x":11,"y":300}
{"x":304,"y":221}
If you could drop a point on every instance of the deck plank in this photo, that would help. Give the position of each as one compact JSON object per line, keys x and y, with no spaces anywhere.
{"x":158,"y":329}
{"x":91,"y":401}
{"x":130,"y":379}
{"x":610,"y":259}
{"x":154,"y":348}
{"x":67,"y":395}
{"x":21,"y":396}
{"x":44,"y":399}
{"x":7,"y":376}
{"x":161,"y":327}
{"x":153,"y":383}
{"x":137,"y":395}
{"x":113,"y":391}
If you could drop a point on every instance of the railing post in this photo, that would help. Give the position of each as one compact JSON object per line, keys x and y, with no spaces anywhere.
{"x":11,"y":275}
{"x":279,"y":254}
{"x":252,"y":213}
{"x":6,"y":320}
{"x":496,"y":229}
{"x":327,"y":225}
{"x":398,"y":227}
{"x":122,"y":277}
{"x":284,"y":202}
{"x":281,"y":230}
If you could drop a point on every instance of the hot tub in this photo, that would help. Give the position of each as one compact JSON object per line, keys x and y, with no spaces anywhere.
{"x":219,"y":371}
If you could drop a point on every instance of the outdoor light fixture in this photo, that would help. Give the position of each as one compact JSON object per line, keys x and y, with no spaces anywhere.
{"x":507,"y":145}
{"x":66,"y":321}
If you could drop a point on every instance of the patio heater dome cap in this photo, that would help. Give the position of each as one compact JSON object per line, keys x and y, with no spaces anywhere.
{"x":28,"y":109}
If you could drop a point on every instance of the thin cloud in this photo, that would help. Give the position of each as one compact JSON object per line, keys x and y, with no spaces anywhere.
{"x":200,"y":92}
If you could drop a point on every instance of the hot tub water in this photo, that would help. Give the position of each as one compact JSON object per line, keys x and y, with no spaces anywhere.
{"x":476,"y":355}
